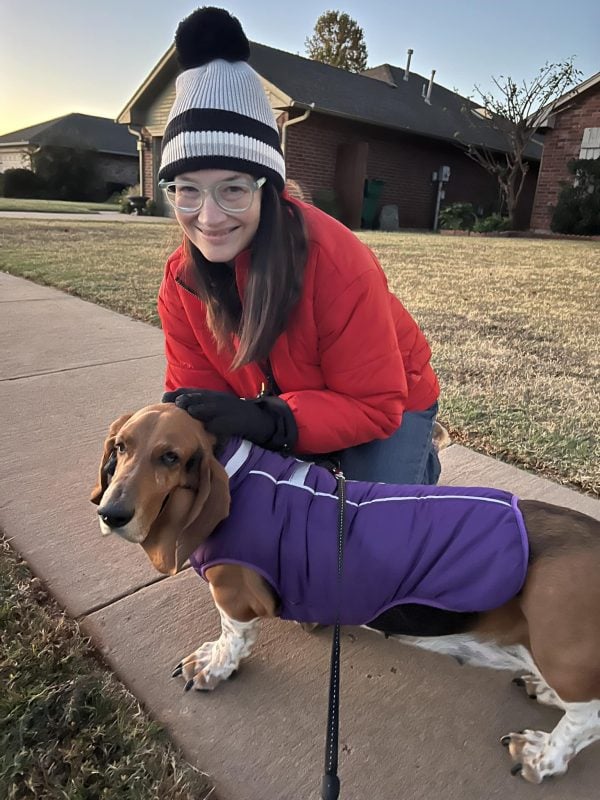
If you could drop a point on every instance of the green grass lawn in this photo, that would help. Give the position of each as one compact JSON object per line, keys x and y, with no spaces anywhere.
{"x":63,"y":206}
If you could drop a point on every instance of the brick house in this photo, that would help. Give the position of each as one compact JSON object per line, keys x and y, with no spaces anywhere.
{"x":114,"y":149}
{"x":571,"y":129}
{"x":340,"y":129}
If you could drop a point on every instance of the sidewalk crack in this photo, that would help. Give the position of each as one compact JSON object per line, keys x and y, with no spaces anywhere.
{"x":126,"y":594}
{"x":80,"y":366}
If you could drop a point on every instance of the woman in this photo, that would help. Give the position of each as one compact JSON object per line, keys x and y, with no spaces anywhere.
{"x":277,"y":319}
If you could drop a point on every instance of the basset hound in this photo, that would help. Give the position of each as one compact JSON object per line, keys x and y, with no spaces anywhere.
{"x":473,"y":573}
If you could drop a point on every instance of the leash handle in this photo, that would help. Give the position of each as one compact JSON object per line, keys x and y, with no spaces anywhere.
{"x":330,"y":785}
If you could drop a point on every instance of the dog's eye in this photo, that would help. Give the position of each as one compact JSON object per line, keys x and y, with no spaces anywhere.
{"x":169,"y":458}
{"x":120,"y":447}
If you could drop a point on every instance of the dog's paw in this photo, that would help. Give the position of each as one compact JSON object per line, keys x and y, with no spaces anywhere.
{"x":205,"y":668}
{"x":534,"y":756}
{"x":440,"y":436}
{"x":539,"y":690}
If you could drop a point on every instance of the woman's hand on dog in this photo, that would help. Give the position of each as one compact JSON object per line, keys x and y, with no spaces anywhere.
{"x":266,"y":421}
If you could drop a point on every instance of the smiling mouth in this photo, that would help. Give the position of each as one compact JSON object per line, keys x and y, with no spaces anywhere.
{"x":218,"y":234}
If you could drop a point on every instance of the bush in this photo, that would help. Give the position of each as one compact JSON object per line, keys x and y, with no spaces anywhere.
{"x":495,"y":222}
{"x":23,"y":183}
{"x":69,"y":174}
{"x":458,"y":216}
{"x":578,"y":208}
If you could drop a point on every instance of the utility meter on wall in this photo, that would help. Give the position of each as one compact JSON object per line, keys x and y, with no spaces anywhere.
{"x":444,"y":174}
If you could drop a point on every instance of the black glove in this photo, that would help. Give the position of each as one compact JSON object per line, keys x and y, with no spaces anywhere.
{"x":267,"y":421}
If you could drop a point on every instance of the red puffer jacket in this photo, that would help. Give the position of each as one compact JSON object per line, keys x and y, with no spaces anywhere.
{"x":350,"y":362}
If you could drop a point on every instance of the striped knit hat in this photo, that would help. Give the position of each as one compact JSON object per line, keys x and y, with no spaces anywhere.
{"x":221,"y":117}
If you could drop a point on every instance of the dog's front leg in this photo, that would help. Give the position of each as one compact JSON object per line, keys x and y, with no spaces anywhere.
{"x":539,"y":755}
{"x":213,"y":662}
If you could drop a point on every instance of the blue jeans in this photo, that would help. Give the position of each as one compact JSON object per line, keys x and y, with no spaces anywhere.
{"x":407,"y":456}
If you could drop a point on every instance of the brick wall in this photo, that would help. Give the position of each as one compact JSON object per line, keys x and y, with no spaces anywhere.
{"x":561,"y":144}
{"x":404,"y":163}
{"x":310,"y":154}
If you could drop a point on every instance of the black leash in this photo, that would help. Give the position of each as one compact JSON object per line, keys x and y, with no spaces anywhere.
{"x":330,"y":785}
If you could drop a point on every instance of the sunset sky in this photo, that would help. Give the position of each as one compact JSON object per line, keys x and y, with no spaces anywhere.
{"x":63,"y":56}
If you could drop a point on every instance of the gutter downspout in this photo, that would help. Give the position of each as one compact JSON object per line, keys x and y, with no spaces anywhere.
{"x":294,"y":121}
{"x":140,"y":148}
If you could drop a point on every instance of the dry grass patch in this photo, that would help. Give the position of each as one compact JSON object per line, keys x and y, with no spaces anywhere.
{"x":68,"y":728}
{"x":512,"y":324}
{"x":118,"y":265}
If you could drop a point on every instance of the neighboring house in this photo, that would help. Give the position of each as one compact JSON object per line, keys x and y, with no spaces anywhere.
{"x":571,"y":127}
{"x":115,"y":151}
{"x":340,"y":129}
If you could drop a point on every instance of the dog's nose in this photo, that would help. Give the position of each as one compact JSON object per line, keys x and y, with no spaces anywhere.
{"x":115,"y":516}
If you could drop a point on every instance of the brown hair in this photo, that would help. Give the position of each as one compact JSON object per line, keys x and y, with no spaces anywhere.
{"x":279,"y":253}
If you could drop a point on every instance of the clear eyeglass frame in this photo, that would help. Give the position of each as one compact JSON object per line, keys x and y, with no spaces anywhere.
{"x":170,"y":189}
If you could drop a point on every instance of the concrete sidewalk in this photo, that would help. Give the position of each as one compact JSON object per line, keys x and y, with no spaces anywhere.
{"x":99,"y":216}
{"x":414,"y":726}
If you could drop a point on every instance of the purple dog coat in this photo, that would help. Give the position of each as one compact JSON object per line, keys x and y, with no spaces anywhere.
{"x":461,"y":549}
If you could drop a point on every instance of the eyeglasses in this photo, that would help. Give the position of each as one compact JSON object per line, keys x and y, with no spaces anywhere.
{"x":232,"y":196}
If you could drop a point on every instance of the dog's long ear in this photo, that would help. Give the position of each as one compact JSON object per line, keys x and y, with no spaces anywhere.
{"x":105,"y":472}
{"x":189,"y":517}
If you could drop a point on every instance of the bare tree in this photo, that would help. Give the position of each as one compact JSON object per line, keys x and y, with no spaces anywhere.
{"x":338,"y":40}
{"x":516,"y":110}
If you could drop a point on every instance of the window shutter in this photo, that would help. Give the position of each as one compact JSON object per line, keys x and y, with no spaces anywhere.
{"x":590,"y":143}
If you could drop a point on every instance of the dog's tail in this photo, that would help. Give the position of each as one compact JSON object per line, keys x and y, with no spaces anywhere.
{"x":440,"y":436}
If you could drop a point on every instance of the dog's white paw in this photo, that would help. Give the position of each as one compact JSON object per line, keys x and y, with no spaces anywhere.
{"x":214,"y":662}
{"x":206,"y":667}
{"x":534,"y":755}
{"x":539,"y":690}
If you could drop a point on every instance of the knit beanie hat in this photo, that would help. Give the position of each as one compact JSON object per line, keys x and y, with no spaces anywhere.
{"x":221,"y":117}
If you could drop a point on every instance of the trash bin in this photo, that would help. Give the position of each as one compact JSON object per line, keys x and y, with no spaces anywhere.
{"x":372,"y":194}
{"x":373,"y":188}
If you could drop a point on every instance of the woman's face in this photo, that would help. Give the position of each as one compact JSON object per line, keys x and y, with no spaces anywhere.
{"x":219,"y":235}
